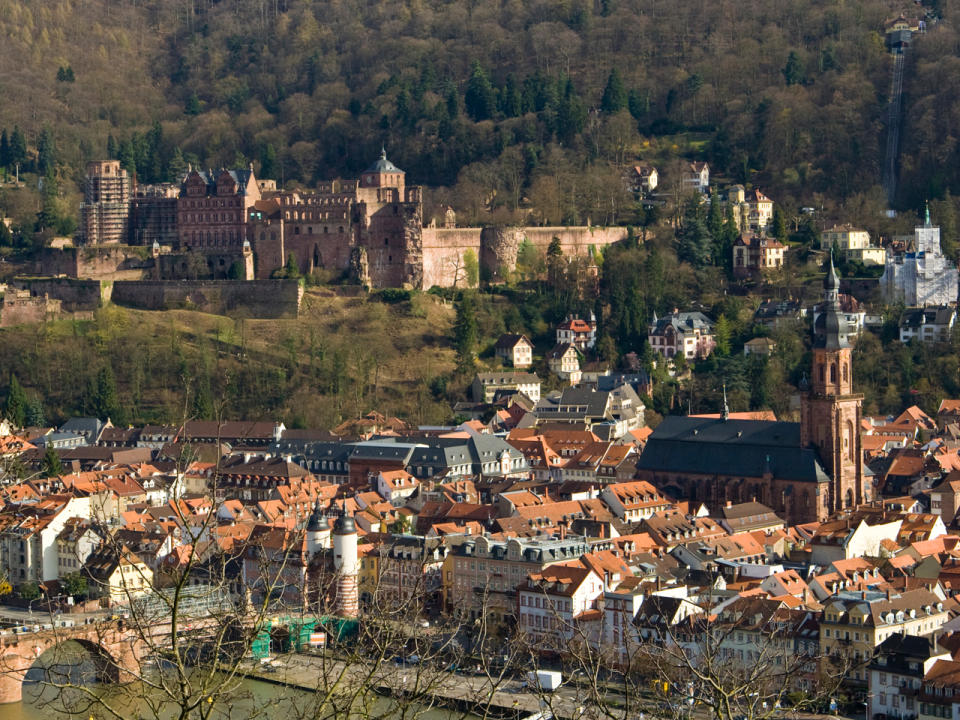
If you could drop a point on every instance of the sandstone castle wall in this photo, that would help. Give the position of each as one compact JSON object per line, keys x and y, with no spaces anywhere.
{"x":254,"y":298}
{"x":496,"y":248}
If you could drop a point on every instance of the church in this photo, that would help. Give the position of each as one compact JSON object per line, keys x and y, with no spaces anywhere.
{"x":805,"y":471}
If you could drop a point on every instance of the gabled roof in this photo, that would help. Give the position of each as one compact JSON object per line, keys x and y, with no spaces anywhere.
{"x":508,"y":341}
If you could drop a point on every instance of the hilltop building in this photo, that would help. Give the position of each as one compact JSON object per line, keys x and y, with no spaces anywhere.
{"x":923,"y":276}
{"x":228,"y":224}
{"x":853,"y":244}
{"x":689,"y":334}
{"x":105,"y":211}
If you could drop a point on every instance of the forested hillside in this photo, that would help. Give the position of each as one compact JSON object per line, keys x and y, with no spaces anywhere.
{"x":512,"y":105}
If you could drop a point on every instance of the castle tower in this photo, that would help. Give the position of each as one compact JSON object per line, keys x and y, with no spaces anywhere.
{"x":346,"y":565}
{"x":831,"y":411}
{"x":105,"y":211}
{"x":383,"y":174}
{"x":318,"y":531}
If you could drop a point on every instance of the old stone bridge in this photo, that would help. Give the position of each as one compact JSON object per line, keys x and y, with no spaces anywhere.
{"x":116,"y":648}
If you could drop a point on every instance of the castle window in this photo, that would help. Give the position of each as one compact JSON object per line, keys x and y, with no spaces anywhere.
{"x":389,"y":258}
{"x":340,"y":229}
{"x":310,"y":230}
{"x":821,"y":373}
{"x":386,"y":241}
{"x":296,"y":230}
{"x":833,"y":372}
{"x":845,"y":371}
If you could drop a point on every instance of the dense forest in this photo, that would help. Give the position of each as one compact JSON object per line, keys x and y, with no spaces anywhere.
{"x":512,"y":109}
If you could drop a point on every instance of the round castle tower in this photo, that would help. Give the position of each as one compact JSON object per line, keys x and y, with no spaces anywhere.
{"x":318,"y":531}
{"x":346,"y":565}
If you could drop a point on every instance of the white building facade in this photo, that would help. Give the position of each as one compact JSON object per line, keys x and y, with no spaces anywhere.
{"x":921,"y":277}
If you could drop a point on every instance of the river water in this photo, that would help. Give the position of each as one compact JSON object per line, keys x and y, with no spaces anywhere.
{"x":252,"y":699}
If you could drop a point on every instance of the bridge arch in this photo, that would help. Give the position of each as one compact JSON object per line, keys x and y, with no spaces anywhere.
{"x":114,"y":650}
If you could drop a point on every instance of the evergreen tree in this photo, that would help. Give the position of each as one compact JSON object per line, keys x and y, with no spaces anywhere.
{"x":51,"y":463}
{"x":778,"y":224}
{"x":480,"y":97}
{"x":68,"y":75}
{"x":722,"y":335}
{"x":35,"y":414}
{"x":268,"y":161}
{"x":292,"y":268}
{"x":511,"y":100}
{"x":453,"y":104}
{"x":106,"y":402}
{"x":638,"y":104}
{"x":18,"y":146}
{"x":793,"y":72}
{"x":15,"y":408}
{"x":571,"y":114}
{"x":614,"y":94}
{"x":46,"y":152}
{"x":465,"y":332}
{"x":49,"y":215}
{"x":177,"y":168}
{"x":715,"y":216}
{"x":4,"y":149}
{"x":61,"y":74}
{"x":193,"y":105}
{"x":694,"y":241}
{"x":203,"y":400}
{"x":6,"y":237}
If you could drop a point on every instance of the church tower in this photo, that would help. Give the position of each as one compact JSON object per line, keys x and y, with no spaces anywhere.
{"x":830,"y":410}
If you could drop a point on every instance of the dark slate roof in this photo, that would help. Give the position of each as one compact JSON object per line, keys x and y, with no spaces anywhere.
{"x":380,"y":450}
{"x":508,"y":341}
{"x":382,"y":165}
{"x":560,"y":350}
{"x":900,"y":651}
{"x":240,"y":176}
{"x":615,"y":380}
{"x":730,"y":447}
{"x":937,"y":315}
{"x":682,"y":321}
{"x":90,"y":427}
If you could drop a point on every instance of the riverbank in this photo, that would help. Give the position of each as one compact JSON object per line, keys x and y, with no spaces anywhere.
{"x":505,"y":698}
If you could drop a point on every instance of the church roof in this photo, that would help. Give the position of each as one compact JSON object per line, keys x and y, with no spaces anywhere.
{"x":710,"y":446}
{"x":382,"y":165}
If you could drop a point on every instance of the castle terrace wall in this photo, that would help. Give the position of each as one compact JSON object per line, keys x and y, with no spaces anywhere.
{"x":102,"y":262}
{"x":443,"y":248}
{"x":74,"y":294}
{"x":254,"y":298}
{"x":28,"y":310}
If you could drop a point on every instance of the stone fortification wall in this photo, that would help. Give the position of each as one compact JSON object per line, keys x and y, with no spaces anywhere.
{"x":255,"y":298}
{"x":203,"y":264}
{"x":21,"y":308}
{"x":74,"y":295}
{"x":111,"y":262}
{"x":496,"y":248}
{"x":443,"y":250}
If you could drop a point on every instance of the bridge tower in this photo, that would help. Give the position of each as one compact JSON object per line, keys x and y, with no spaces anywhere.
{"x":346,"y":565}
